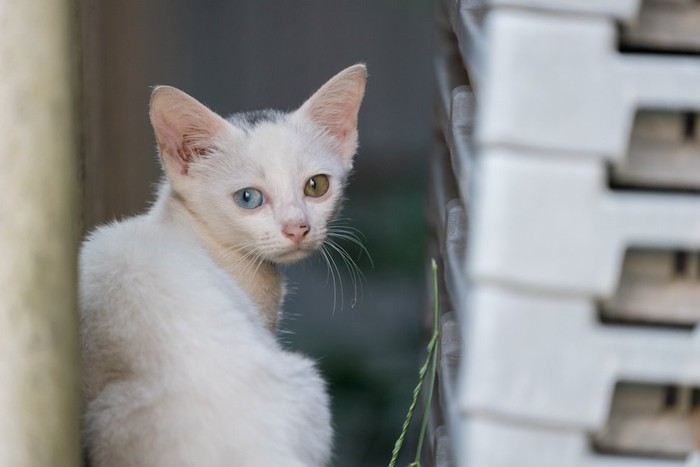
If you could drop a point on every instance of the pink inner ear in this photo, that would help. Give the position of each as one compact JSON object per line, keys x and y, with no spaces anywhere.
{"x":192,"y":147}
{"x":169,"y":143}
{"x":185,"y":129}
{"x":334,"y":107}
{"x":337,"y":114}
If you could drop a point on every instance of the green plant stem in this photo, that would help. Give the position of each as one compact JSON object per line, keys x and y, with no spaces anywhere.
{"x":433,"y":345}
{"x":428,"y":401}
{"x":431,"y":359}
{"x":411,"y":410}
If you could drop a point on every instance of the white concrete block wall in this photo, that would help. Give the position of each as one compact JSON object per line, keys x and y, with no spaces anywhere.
{"x":569,"y":256}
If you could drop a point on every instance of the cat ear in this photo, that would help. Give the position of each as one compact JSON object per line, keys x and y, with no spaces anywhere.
{"x":335,"y":105}
{"x":185,"y":129}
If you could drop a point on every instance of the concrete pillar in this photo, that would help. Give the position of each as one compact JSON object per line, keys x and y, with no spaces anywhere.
{"x":39,"y":401}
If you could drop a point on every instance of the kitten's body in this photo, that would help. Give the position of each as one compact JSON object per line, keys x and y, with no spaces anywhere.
{"x":179,"y":306}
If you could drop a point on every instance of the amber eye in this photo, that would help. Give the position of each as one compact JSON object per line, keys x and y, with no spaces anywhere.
{"x":316,"y":186}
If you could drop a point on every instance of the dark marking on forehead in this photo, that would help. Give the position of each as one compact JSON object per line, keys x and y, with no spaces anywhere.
{"x":247,"y":121}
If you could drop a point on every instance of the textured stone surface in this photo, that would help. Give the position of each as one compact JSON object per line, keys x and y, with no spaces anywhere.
{"x":38,"y":236}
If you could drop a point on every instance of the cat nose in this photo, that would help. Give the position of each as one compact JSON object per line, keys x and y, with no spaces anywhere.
{"x":295,"y":232}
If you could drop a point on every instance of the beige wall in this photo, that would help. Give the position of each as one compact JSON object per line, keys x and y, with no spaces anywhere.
{"x":38,"y":236}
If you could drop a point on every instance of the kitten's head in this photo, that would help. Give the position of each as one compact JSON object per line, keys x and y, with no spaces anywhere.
{"x":265,"y":183}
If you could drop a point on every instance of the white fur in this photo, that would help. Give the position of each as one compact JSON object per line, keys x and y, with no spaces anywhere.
{"x":179,"y":306}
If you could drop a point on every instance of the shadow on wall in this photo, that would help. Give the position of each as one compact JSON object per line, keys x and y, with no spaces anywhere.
{"x":236,"y":56}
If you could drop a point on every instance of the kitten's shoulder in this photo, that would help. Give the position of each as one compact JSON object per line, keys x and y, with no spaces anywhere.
{"x":146,"y":261}
{"x":136,"y":250}
{"x":133,"y":238}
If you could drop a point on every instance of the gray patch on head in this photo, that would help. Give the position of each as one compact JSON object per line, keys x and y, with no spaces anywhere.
{"x":249,"y":120}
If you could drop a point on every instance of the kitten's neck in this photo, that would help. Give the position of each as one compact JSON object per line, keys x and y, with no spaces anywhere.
{"x":263,"y":282}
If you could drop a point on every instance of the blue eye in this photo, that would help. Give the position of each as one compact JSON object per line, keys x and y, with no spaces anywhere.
{"x":248,"y":198}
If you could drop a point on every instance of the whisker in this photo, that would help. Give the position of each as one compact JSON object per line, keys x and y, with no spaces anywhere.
{"x":248,"y":260}
{"x":334,"y":232}
{"x":241,"y":250}
{"x":334,"y":265}
{"x":356,"y":275}
{"x":325,"y":254}
{"x":352,"y":235}
{"x":350,"y":263}
{"x":260,"y":260}
{"x":248,"y":257}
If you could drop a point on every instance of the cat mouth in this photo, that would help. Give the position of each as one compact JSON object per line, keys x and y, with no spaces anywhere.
{"x":289,"y":252}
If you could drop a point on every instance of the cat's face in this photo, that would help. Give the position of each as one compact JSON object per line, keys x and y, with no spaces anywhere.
{"x":266,"y":184}
{"x":273,"y":191}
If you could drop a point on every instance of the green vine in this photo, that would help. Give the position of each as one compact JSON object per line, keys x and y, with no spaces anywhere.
{"x":430,"y":362}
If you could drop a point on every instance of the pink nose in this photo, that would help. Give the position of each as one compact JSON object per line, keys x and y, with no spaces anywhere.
{"x":295,"y":232}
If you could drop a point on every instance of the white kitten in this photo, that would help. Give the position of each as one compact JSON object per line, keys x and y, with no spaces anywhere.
{"x":179,"y":306}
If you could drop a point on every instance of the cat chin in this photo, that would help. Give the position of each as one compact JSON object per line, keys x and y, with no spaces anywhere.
{"x":292,"y":256}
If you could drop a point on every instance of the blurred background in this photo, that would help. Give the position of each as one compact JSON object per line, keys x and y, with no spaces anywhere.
{"x":238,"y":56}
